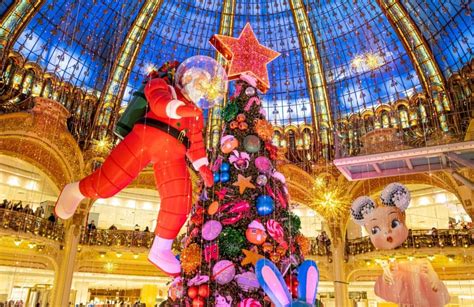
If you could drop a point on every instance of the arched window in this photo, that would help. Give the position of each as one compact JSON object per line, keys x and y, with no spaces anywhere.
{"x":47,"y":89}
{"x":27,"y":84}
{"x":385,"y":119}
{"x":403,"y":115}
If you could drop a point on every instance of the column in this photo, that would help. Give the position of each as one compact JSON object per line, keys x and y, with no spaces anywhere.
{"x":65,"y":269}
{"x":340,"y":280}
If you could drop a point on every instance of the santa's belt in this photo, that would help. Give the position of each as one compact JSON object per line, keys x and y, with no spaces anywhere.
{"x":180,"y":135}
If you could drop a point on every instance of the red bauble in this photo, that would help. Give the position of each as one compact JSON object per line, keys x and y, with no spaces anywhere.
{"x":192,"y":292}
{"x":198,"y":302}
{"x":292,"y":284}
{"x":203,"y":291}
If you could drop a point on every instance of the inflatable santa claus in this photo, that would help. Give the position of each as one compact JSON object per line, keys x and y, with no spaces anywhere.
{"x":168,"y":133}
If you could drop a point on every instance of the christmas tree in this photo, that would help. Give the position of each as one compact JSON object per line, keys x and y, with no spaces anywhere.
{"x":245,"y":216}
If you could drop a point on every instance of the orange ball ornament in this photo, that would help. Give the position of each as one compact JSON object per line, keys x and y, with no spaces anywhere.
{"x":233,"y":125}
{"x":267,"y":247}
{"x":241,"y":118}
{"x":213,"y":207}
{"x":203,"y":291}
{"x":243,"y":126}
{"x":256,"y":233}
{"x":193,"y":292}
{"x":198,"y":302}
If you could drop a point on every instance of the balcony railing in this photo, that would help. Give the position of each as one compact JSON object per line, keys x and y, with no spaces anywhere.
{"x":27,"y":223}
{"x":116,"y":238}
{"x":421,"y":238}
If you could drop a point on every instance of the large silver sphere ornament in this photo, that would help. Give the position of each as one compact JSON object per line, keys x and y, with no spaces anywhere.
{"x":202,"y":80}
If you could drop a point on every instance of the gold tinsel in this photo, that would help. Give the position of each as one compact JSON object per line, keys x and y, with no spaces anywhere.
{"x":191,"y":258}
{"x":264,"y":129}
{"x":304,"y":244}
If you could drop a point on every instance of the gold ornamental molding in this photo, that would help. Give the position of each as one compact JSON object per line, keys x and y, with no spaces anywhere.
{"x":112,"y":94}
{"x":315,"y":79}
{"x":226,"y":27}
{"x":417,"y":48}
{"x":15,"y":19}
{"x":41,"y":138}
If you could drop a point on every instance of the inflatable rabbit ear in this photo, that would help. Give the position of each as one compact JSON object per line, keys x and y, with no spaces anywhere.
{"x":272,"y":283}
{"x":308,"y":279}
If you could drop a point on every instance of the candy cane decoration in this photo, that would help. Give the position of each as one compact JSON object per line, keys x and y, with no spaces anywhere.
{"x":251,"y":101}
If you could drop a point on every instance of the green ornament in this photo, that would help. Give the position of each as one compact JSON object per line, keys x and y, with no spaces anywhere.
{"x":230,"y":112}
{"x":231,"y":243}
{"x":292,"y":223}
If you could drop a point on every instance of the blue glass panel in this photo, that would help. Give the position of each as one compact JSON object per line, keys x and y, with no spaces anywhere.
{"x":447,"y":26}
{"x":363,"y":59}
{"x":78,"y":40}
{"x":4,"y":5}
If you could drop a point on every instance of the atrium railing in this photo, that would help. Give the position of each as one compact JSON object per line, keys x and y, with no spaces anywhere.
{"x":421,"y":238}
{"x":116,"y":238}
{"x":27,"y":223}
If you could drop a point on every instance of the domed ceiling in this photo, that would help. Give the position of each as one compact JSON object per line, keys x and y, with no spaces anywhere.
{"x":364,"y":61}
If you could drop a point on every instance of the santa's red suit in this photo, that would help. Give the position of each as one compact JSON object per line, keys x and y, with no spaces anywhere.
{"x":154,"y":139}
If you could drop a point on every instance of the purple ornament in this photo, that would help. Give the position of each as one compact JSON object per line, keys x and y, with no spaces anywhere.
{"x":223,"y":272}
{"x":247,"y":281}
{"x":211,"y":230}
{"x":263,"y":164}
{"x":261,"y":180}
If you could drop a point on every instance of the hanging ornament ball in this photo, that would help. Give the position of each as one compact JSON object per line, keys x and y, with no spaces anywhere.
{"x":198,"y":302}
{"x":213,"y":207}
{"x":202,"y":80}
{"x":252,"y":143}
{"x":211,"y":230}
{"x":292,"y":284}
{"x":250,"y":91}
{"x":250,"y":302}
{"x":223,"y":272}
{"x":261,"y":180}
{"x":263,"y":164}
{"x":225,"y":177}
{"x":203,"y":290}
{"x":264,"y":205}
{"x":229,"y":143}
{"x":241,"y":117}
{"x":193,"y":292}
{"x":243,"y":126}
{"x":217,"y":177}
{"x":225,"y":167}
{"x":256,"y":233}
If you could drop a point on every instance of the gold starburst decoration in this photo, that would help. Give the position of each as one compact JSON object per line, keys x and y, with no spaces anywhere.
{"x":102,"y":146}
{"x":329,"y":196}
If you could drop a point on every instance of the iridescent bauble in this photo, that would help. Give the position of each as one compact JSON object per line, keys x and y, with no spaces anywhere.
{"x":252,"y":143}
{"x":217,"y":177}
{"x":261,"y":180}
{"x":202,"y":80}
{"x":225,"y":177}
{"x":250,"y":91}
{"x":225,"y":167}
{"x":265,"y":205}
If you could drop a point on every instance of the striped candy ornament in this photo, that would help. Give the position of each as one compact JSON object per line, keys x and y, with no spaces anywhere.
{"x":276,"y":232}
{"x":250,"y":302}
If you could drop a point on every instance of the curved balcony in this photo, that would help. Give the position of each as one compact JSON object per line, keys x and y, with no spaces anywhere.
{"x":20,"y":222}
{"x":421,"y":238}
{"x":116,"y":238}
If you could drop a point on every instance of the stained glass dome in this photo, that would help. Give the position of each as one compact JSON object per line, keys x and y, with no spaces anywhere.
{"x":357,"y":57}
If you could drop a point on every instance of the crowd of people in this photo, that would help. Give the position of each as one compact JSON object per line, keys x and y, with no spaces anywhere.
{"x":27,"y":209}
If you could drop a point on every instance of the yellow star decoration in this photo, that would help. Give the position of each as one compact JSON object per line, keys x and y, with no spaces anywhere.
{"x":250,"y":257}
{"x":243,"y":183}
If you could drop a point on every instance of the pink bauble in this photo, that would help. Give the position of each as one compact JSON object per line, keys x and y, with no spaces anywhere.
{"x":223,"y":272}
{"x":211,"y":230}
{"x":263,"y":164}
{"x":250,"y":302}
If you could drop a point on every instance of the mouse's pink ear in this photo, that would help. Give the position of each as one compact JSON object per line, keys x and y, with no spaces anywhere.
{"x":271,"y":281}
{"x":308,"y":280}
{"x":361,"y":206}
{"x":396,"y":194}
